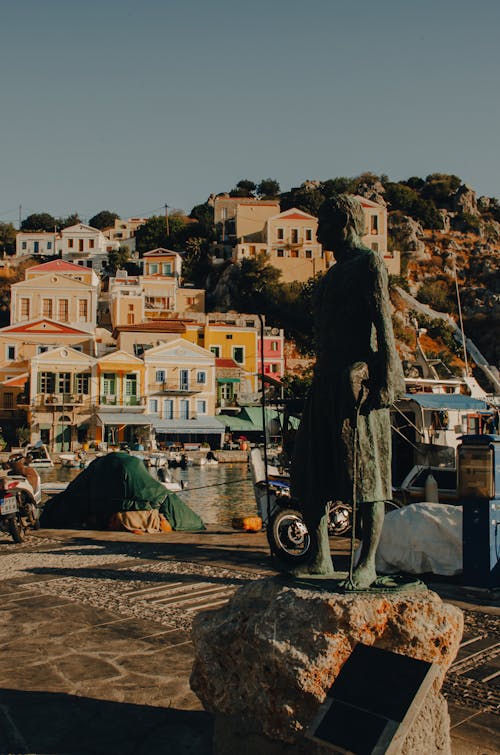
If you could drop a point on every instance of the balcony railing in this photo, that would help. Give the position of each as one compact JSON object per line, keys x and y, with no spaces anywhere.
{"x":62,"y":399}
{"x":173,"y":386}
{"x":112,"y":400}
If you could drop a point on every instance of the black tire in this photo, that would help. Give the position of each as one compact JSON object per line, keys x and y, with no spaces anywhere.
{"x":16,"y":530}
{"x":339,"y":518}
{"x":288,"y":536}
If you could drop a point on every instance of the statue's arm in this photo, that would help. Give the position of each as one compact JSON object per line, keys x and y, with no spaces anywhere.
{"x":388,"y":381}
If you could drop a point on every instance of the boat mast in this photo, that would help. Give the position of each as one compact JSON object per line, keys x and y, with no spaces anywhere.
{"x":464,"y":345}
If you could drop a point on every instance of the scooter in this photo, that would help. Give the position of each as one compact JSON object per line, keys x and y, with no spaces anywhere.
{"x":20,"y":499}
{"x":285,"y":527}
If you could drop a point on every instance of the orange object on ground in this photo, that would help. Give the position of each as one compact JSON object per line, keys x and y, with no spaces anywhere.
{"x":248,"y":523}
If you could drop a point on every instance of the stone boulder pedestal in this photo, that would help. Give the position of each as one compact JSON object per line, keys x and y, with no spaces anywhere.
{"x":264,"y":663}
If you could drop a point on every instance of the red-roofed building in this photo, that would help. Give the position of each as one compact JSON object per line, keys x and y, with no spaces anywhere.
{"x":27,"y":339}
{"x":66,"y":297}
{"x":77,"y":272}
{"x":289,"y":241}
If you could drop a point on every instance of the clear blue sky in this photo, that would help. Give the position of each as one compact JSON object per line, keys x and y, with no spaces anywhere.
{"x":128,"y":104}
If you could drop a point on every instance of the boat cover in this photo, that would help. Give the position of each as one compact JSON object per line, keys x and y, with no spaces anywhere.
{"x":111,"y":483}
{"x":421,"y":538}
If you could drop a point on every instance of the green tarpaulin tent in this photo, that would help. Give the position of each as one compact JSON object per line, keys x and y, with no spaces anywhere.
{"x":111,"y":483}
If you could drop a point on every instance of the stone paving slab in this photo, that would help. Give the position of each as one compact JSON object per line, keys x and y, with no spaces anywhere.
{"x":80,"y":675}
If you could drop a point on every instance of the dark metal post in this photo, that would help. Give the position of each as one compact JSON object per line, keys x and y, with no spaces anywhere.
{"x":263,"y":404}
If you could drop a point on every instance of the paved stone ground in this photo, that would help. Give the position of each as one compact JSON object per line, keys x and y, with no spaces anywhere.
{"x":96,"y":652}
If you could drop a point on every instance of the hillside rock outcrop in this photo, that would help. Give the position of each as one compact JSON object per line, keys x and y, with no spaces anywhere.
{"x":407,"y":234}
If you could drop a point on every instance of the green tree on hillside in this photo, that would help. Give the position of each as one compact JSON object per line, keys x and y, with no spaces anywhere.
{"x":7,"y":238}
{"x":340,"y":185}
{"x":244,"y":188}
{"x":39,"y":221}
{"x":257,"y":285}
{"x":268,"y":188}
{"x":103,"y":219}
{"x":196,"y":264}
{"x":307,"y":200}
{"x":117,"y":259}
{"x":152,"y":235}
{"x":204,"y":214}
{"x":439,"y":187}
{"x":72,"y":219}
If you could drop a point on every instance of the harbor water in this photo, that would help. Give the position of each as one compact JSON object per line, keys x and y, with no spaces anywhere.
{"x":217,"y":493}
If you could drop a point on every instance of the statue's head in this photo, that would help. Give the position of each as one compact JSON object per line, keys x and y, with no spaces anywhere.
{"x":341,"y":222}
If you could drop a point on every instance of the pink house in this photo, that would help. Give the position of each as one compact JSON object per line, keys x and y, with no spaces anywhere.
{"x":273,"y":352}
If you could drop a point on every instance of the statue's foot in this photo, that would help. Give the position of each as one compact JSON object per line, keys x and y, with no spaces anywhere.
{"x":363,"y":577}
{"x":317,"y":568}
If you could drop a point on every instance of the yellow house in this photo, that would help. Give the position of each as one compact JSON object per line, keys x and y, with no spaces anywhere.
{"x":240,"y":220}
{"x":162,"y":262}
{"x":291,"y":245}
{"x":242,"y":216}
{"x":120,"y":380}
{"x":121,"y":398}
{"x":238,"y":343}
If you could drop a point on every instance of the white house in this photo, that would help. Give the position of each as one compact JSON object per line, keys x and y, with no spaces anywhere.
{"x":35,"y":244}
{"x":85,"y":245}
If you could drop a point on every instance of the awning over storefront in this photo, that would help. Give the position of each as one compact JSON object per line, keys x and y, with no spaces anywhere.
{"x":446,"y":401}
{"x":16,"y":382}
{"x":200,"y":425}
{"x":124,"y":418}
{"x":228,"y":380}
{"x":249,"y":419}
{"x":236,"y":424}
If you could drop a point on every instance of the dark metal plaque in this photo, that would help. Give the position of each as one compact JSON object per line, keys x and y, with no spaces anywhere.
{"x":373,"y":702}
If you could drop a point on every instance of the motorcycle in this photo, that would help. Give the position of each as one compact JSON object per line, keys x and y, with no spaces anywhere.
{"x":20,"y":499}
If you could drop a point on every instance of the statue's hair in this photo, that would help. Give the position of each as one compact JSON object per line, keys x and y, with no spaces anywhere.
{"x":343,"y":210}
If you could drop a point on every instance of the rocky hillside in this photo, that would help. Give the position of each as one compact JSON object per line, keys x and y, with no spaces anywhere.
{"x":462,"y":256}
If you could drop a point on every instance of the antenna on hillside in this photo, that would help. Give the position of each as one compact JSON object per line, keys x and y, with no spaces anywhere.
{"x":464,"y":345}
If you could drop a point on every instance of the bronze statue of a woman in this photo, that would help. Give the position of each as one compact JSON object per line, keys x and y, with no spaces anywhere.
{"x":343,"y":445}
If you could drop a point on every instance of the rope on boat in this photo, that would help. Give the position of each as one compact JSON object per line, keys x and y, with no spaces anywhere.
{"x":216,"y":484}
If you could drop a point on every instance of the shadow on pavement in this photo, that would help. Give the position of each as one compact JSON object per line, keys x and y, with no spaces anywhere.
{"x":45,"y":722}
{"x":125,"y":575}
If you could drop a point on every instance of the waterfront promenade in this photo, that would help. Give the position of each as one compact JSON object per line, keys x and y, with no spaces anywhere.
{"x":96,"y":650}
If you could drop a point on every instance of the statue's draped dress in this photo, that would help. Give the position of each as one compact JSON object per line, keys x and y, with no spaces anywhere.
{"x":353,"y":325}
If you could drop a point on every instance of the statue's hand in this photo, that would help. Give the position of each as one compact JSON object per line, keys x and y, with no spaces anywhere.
{"x":358,"y":377}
